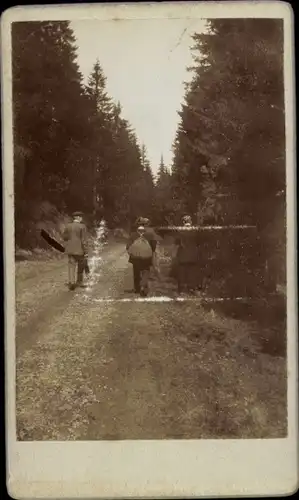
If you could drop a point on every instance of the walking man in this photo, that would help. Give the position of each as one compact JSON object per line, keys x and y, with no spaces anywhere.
{"x":140,"y":248}
{"x":187,"y":258}
{"x":75,"y":237}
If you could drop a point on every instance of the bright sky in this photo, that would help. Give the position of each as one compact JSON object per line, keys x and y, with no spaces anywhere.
{"x":145,"y":62}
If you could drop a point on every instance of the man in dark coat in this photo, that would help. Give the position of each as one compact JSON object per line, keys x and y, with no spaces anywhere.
{"x":187,"y":258}
{"x":75,"y":237}
{"x":141,"y":266}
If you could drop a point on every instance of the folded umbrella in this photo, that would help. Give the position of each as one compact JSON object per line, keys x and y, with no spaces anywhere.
{"x":58,"y":246}
{"x":52,"y":241}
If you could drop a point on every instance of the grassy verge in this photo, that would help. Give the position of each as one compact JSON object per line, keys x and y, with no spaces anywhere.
{"x":181,"y":372}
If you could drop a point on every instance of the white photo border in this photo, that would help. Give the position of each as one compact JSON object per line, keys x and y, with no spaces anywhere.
{"x":164,"y":468}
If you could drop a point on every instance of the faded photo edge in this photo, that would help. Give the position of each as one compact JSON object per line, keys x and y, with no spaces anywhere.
{"x":39,"y":469}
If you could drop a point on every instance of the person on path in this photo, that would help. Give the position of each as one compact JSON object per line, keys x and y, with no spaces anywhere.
{"x":151,"y":235}
{"x":102,"y":233}
{"x":187,"y":258}
{"x":75,"y":237}
{"x":141,"y":247}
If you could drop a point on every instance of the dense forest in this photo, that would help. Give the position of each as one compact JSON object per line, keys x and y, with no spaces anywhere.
{"x":231,"y":140}
{"x":229,"y":151}
{"x":73,"y":148}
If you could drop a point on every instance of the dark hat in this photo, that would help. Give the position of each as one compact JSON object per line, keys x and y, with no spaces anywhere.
{"x":77,"y":214}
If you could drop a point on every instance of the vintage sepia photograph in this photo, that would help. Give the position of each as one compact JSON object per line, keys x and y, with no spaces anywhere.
{"x":149,"y":167}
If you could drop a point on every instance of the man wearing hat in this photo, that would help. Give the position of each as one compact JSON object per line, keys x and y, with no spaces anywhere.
{"x":141,"y":258}
{"x":75,"y":237}
{"x":187,"y":257}
{"x":150,"y":232}
{"x":187,"y":221}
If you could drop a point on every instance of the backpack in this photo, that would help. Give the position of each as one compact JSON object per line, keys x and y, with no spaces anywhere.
{"x":140,"y":248}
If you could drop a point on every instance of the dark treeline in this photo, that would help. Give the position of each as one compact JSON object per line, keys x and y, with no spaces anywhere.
{"x":229,"y":150}
{"x":73,"y":150}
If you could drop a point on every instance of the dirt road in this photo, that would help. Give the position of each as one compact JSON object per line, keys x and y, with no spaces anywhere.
{"x":88,"y":369}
